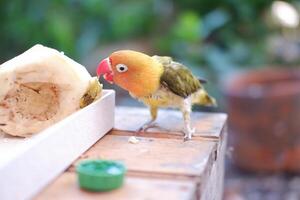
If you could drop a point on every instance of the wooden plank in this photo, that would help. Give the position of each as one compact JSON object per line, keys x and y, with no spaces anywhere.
{"x":156,"y":155}
{"x":66,"y":187}
{"x":160,"y":164}
{"x":206,"y":124}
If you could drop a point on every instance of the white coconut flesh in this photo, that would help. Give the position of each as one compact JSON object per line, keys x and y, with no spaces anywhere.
{"x":38,"y":88}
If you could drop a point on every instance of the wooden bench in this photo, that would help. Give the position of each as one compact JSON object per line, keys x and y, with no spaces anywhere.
{"x":160,"y":165}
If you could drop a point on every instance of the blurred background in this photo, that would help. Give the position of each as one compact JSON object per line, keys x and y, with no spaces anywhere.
{"x":224,"y":41}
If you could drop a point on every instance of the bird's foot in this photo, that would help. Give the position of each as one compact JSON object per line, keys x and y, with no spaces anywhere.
{"x":146,"y":126}
{"x":188,"y":133}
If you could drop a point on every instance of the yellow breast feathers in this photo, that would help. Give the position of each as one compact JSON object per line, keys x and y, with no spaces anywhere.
{"x":162,"y":98}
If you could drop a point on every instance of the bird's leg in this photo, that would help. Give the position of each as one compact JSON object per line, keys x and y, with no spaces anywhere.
{"x":150,"y":124}
{"x":186,"y":112}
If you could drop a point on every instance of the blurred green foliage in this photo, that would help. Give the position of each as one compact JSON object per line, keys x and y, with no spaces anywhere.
{"x":214,"y":37}
{"x":71,"y":25}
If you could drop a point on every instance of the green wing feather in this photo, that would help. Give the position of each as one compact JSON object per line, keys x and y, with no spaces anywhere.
{"x":177,"y":78}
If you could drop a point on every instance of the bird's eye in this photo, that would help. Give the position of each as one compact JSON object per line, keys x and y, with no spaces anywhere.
{"x":121,"y":68}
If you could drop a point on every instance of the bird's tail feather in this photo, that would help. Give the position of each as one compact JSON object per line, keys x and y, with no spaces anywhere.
{"x":201,"y":97}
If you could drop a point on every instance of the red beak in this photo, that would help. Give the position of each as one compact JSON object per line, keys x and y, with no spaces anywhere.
{"x":104,"y":68}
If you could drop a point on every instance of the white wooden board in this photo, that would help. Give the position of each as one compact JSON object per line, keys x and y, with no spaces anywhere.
{"x":27,"y":165}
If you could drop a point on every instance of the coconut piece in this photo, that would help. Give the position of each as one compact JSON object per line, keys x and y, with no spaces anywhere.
{"x":40,"y":87}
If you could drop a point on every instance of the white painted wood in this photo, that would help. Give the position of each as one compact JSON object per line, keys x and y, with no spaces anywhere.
{"x":27,"y":165}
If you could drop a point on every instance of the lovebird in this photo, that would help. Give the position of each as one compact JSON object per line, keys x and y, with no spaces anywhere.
{"x":158,"y":82}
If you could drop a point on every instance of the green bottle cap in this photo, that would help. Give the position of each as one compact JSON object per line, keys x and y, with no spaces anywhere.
{"x":100,"y":175}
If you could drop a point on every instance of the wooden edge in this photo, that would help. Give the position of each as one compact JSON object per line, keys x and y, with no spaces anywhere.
{"x":66,"y":187}
{"x":147,"y":174}
{"x":173,"y":135}
{"x":217,"y":171}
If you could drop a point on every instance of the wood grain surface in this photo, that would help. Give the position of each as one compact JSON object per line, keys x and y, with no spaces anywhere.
{"x":160,"y":165}
{"x":155,"y":155}
{"x":66,"y":187}
{"x":170,"y":121}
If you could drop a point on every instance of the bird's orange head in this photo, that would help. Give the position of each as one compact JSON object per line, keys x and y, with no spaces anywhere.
{"x":136,"y":72}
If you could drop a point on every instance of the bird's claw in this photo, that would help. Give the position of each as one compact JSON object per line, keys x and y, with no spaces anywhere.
{"x":188,"y":133}
{"x":186,"y":138}
{"x":145,"y":127}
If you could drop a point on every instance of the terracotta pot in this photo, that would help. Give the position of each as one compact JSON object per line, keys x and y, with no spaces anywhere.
{"x":264,"y":119}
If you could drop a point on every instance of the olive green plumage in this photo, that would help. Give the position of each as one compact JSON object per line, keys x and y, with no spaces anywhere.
{"x":180,"y":80}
